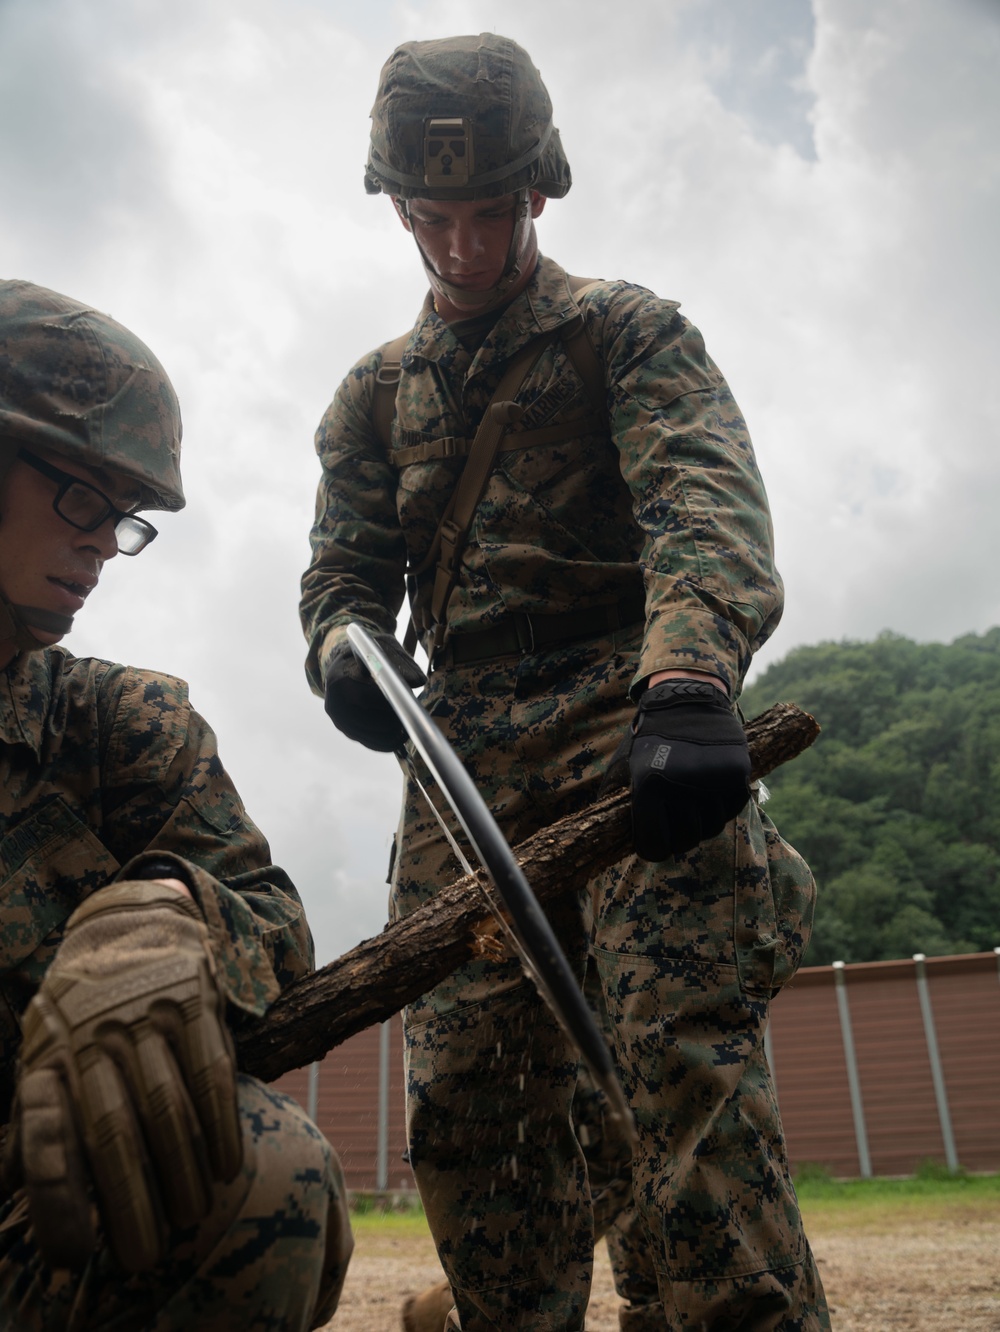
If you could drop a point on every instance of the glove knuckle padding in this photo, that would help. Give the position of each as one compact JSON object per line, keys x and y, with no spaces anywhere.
{"x":52,"y":1170}
{"x":130,"y":1021}
{"x":689,"y":767}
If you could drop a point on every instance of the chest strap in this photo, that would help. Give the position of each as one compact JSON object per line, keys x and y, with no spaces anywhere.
{"x":454,"y":446}
{"x":480,"y":453}
{"x":450,"y":538}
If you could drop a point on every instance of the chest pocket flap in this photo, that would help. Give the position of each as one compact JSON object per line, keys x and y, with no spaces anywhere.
{"x":48,"y":864}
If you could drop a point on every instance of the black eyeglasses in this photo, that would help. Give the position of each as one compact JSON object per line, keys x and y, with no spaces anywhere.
{"x":87,"y":508}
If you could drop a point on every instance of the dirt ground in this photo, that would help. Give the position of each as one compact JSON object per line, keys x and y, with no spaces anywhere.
{"x":938,"y":1274}
{"x":926,"y":1275}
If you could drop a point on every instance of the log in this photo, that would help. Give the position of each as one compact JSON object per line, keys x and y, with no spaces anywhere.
{"x":379,"y":976}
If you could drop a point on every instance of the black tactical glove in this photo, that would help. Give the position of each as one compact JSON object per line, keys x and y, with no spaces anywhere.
{"x":354,"y":702}
{"x":128,"y":1080}
{"x":687,"y":760}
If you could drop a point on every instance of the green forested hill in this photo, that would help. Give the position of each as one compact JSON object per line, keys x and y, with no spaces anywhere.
{"x":897,"y":805}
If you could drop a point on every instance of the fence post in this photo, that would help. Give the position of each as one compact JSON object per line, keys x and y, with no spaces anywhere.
{"x":769,"y":1056}
{"x":382,"y":1141}
{"x":937,"y":1072}
{"x":312,"y":1101}
{"x":853,"y":1081}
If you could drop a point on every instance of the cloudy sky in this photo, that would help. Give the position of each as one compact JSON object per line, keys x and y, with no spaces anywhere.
{"x":818,"y":184}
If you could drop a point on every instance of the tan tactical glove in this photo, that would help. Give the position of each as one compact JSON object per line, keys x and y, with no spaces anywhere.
{"x":128,"y":1080}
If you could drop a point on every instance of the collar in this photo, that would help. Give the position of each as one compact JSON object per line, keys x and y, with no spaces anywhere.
{"x":548,"y":297}
{"x":25,"y":697}
{"x":545,"y":303}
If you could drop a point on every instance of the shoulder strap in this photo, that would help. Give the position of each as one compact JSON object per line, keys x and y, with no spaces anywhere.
{"x":451,"y":535}
{"x":386,"y":384}
{"x":581,"y":350}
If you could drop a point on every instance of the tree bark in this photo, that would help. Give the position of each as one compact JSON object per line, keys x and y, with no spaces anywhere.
{"x":379,"y":976}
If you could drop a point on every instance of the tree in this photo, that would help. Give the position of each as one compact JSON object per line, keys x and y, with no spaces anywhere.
{"x":897,"y":806}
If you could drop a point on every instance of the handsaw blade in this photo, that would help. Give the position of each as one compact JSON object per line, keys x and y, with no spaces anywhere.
{"x":527,"y":927}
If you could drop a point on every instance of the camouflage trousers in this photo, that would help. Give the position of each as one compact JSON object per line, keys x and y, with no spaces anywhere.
{"x":272,"y":1255}
{"x":687,"y":954}
{"x":607,"y":1151}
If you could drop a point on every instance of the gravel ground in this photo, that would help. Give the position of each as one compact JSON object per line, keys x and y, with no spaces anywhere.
{"x":924,"y":1275}
{"x":927,"y":1276}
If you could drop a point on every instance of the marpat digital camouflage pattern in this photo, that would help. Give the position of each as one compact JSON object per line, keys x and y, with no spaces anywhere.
{"x":424,"y":145}
{"x":653,"y":498}
{"x":271,"y":1257}
{"x":103,"y":766}
{"x":607,"y":1149}
{"x":76,"y":381}
{"x":672,"y":506}
{"x":688,"y":953}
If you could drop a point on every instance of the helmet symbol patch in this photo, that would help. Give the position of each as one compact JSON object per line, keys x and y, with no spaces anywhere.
{"x":448,"y":158}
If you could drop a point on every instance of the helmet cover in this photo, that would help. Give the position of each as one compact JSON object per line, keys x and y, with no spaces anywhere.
{"x":463,"y":118}
{"x":76,"y":382}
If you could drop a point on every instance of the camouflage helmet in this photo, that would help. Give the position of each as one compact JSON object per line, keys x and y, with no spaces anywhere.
{"x":76,"y":382}
{"x":463,"y":118}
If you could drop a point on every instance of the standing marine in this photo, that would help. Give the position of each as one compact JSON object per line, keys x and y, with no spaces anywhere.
{"x":557,"y":473}
{"x":146,"y":1183}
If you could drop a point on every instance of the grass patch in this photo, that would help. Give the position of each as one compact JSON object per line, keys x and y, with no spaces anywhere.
{"x":395,"y":1213}
{"x":932,"y":1194}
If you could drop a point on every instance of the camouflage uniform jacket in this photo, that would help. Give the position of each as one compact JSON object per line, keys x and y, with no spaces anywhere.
{"x":101,"y":763}
{"x":663,"y":495}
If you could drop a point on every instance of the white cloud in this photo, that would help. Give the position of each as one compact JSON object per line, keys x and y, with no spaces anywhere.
{"x":821,"y":194}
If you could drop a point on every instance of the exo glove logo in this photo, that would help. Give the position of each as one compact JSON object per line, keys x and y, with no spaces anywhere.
{"x":659,"y":759}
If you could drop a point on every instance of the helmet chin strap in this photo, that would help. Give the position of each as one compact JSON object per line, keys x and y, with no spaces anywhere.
{"x":16,"y":623}
{"x":49,"y":621}
{"x":482,"y":302}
